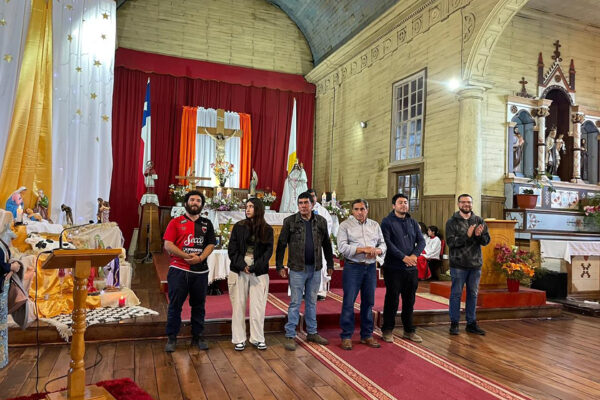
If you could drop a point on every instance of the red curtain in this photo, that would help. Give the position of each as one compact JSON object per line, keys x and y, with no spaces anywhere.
{"x":270,"y":111}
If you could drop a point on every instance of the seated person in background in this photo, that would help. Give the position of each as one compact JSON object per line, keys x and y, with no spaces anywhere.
{"x":423,"y":230}
{"x":433,"y":246}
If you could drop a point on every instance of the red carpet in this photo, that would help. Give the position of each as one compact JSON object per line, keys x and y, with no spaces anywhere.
{"x":403,"y":370}
{"x":121,"y":389}
{"x":421,"y":303}
{"x":219,"y":307}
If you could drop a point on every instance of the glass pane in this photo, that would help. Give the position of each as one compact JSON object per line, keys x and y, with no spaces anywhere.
{"x":405,"y":89}
{"x":418,"y":151}
{"x":420,"y":109}
{"x":420,"y":96}
{"x":421,"y":83}
{"x":413,"y":98}
{"x":403,"y":153}
{"x":413,"y":86}
{"x":413,"y":111}
{"x":419,"y":122}
{"x":405,"y":114}
{"x":411,"y":140}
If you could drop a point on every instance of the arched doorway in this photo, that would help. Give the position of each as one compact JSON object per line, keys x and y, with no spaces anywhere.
{"x":589,"y":152}
{"x":559,"y":118}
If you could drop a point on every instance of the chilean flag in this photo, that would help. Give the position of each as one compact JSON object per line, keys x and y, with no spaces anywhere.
{"x":145,"y":143}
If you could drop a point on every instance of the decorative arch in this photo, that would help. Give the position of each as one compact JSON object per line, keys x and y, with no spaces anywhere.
{"x":560,"y":88}
{"x":487,"y":37}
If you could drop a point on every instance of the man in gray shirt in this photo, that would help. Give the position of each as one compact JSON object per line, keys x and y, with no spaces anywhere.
{"x":361,"y":243}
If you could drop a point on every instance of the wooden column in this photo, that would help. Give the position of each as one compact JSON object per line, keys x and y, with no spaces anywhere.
{"x":541,"y":113}
{"x":577,"y":118}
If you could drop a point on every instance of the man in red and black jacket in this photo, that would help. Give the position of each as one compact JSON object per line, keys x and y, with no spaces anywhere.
{"x":189,"y":239}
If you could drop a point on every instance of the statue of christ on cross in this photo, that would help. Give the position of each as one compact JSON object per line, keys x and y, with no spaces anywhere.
{"x":219,"y":134}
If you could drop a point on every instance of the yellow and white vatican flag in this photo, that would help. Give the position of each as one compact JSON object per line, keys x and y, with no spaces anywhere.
{"x":291,"y":160}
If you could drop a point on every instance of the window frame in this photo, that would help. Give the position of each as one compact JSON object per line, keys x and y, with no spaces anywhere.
{"x":394,"y":118}
{"x":393,"y":184}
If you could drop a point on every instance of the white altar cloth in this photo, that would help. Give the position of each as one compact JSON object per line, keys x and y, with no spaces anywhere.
{"x":218,"y":265}
{"x":221,"y":217}
{"x":567,"y":249}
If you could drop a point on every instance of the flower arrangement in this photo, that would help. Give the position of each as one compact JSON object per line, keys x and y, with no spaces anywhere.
{"x":177,"y":192}
{"x":334,"y":247}
{"x":223,"y":170}
{"x":223,"y":204}
{"x":591,"y":208}
{"x":336,"y":208}
{"x":225,"y":233}
{"x":515,"y":263}
{"x":267,"y":198}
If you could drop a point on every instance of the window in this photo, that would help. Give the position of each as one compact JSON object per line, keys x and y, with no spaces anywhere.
{"x":408,"y":111}
{"x":409,"y":185}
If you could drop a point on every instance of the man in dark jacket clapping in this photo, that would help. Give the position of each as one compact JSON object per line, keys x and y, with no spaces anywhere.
{"x":404,"y":243}
{"x":465,"y":234}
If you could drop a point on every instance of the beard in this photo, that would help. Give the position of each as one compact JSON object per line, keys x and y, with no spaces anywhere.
{"x":193,"y":210}
{"x":465,"y":210}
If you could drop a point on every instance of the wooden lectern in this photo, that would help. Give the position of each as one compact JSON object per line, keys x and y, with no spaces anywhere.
{"x":81,"y":261}
{"x":501,"y":232}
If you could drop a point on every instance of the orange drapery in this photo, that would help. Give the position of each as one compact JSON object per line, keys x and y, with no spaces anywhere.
{"x":187,"y":146}
{"x":246,"y":150}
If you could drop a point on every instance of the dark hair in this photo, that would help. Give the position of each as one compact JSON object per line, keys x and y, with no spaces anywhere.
{"x":257,"y":224}
{"x":423,"y":227}
{"x":312,"y":191}
{"x":464,"y":195}
{"x":305,"y":195}
{"x":194,"y":193}
{"x":435,"y":231}
{"x":366,"y":203}
{"x":398,"y":196}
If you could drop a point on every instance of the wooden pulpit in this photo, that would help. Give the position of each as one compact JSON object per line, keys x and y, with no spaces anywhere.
{"x":149,"y":240}
{"x":501,"y":232}
{"x":81,"y":261}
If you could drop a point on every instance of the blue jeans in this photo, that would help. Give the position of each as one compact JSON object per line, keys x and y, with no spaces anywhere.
{"x":459,"y":278}
{"x":363,"y":278}
{"x":181,"y":284}
{"x":301,"y":282}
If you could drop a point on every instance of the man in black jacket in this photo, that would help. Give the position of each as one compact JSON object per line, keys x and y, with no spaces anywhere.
{"x":307,"y":237}
{"x":465,"y":234}
{"x":405,"y":243}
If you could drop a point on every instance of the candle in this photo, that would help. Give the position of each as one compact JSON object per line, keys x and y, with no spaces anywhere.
{"x":122,"y":301}
{"x":229,"y":193}
{"x":323,"y":198}
{"x":219,"y":190}
{"x":20,"y":214}
{"x":204,"y":192}
{"x":333,"y":196}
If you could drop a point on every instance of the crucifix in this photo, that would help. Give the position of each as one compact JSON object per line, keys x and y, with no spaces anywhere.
{"x":219,"y":134}
{"x":556,"y":55}
{"x":523,"y":92}
{"x":192,"y":179}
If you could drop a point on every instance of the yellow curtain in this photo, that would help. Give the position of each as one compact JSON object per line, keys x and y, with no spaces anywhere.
{"x":28,"y":153}
{"x":187,"y":145}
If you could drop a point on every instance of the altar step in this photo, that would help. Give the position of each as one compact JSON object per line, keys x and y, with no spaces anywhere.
{"x":496,"y":297}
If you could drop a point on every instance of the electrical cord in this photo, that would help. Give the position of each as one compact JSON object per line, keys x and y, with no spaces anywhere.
{"x":98,"y":353}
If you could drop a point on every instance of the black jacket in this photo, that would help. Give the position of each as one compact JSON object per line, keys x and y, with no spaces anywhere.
{"x":465,"y":252}
{"x":237,"y":250}
{"x":403,"y":237}
{"x":293,"y":234}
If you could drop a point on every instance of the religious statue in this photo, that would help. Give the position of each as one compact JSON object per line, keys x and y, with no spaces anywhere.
{"x":68,"y":213}
{"x":41,"y":205}
{"x":253,"y":183}
{"x":559,"y":147}
{"x":517,"y":146}
{"x":150,"y":176}
{"x":14,"y":201}
{"x":584,"y":160}
{"x":550,"y":153}
{"x":99,"y":212}
{"x":295,"y":183}
{"x":104,"y":212}
{"x":33,"y":216}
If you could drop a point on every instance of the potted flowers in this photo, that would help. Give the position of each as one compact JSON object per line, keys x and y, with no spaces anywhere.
{"x":336,"y":208}
{"x":516,"y":264}
{"x":223,"y":170}
{"x":267,"y":198}
{"x":177,"y":193}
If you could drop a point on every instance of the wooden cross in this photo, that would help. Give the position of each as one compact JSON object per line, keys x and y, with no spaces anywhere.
{"x":220,"y":134}
{"x":192,"y":180}
{"x":556,"y":55}
{"x":523,"y":82}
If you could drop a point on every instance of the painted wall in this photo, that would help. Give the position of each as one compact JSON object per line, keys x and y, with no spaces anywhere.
{"x":251,"y":33}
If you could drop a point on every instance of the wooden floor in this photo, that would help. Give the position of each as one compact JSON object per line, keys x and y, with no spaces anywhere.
{"x":545,"y":359}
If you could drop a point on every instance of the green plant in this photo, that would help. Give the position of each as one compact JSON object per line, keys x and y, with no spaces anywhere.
{"x":541,"y":181}
{"x":527,"y":191}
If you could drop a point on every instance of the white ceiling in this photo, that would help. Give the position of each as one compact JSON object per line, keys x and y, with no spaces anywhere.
{"x":585,"y":11}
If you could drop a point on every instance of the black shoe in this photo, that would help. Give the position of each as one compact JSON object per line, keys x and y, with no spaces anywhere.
{"x":454,"y":328}
{"x":171,"y":345}
{"x":474,"y":328}
{"x":320,"y":298}
{"x":200,"y":344}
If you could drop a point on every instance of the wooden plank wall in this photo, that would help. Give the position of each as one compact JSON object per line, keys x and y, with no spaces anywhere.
{"x":435,"y":210}
{"x":492,"y":207}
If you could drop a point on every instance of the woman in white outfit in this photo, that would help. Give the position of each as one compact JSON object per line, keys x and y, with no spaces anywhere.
{"x":250,"y":248}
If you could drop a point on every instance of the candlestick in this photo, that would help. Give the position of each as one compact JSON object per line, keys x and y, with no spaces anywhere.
{"x":323,"y":198}
{"x":219,"y":191}
{"x":204,"y":193}
{"x":20,"y":214}
{"x":333,"y":196}
{"x":122,"y":301}
{"x":229,"y":193}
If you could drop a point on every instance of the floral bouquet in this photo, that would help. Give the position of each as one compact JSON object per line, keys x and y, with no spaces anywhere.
{"x":515,"y":263}
{"x":177,"y":193}
{"x":225,"y":233}
{"x":223,"y":204}
{"x":267,"y":198}
{"x":336,"y":208}
{"x":223,"y":170}
{"x":591,"y":208}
